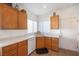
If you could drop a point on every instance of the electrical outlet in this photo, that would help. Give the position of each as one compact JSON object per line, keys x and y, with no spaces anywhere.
{"x":77,"y":20}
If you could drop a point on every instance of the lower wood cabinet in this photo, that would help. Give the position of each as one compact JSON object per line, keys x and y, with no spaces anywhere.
{"x":22,"y":51}
{"x":10,"y":53}
{"x":10,"y":50}
{"x":47,"y":42}
{"x":40,"y":42}
{"x":22,"y":48}
{"x":55,"y":44}
{"x":17,"y":49}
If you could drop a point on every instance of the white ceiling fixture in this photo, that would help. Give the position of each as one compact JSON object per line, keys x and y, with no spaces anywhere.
{"x":44,"y":8}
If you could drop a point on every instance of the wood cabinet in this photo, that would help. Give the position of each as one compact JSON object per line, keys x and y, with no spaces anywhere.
{"x":40,"y":43}
{"x":48,"y":42}
{"x":54,"y":20}
{"x":0,"y":16}
{"x":10,"y":50}
{"x":22,"y":48}
{"x":17,"y":49}
{"x":55,"y":44}
{"x":9,"y":17}
{"x":22,"y":20}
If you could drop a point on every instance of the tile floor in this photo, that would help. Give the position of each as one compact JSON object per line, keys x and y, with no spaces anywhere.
{"x":62,"y":52}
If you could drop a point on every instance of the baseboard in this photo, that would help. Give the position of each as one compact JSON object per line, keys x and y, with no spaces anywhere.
{"x":68,"y":50}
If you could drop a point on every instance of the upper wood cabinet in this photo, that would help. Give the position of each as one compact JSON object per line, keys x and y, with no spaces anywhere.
{"x":54,"y":20}
{"x":0,"y":16}
{"x":22,"y":20}
{"x":9,"y":17}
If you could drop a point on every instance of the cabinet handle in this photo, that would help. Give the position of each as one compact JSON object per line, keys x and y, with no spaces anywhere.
{"x":77,"y":45}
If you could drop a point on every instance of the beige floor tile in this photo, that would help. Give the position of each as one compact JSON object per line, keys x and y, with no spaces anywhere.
{"x":62,"y":52}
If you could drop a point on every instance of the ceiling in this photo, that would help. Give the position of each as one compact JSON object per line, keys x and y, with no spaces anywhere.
{"x":43,"y":8}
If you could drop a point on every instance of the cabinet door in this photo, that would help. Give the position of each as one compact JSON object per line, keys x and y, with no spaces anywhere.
{"x":55,"y":44}
{"x":0,"y":16}
{"x":22,"y":51}
{"x":48,"y":42}
{"x":9,"y":17}
{"x":40,"y":43}
{"x":54,"y":22}
{"x":22,"y":48}
{"x":22,"y":20}
{"x":10,"y":53}
{"x":10,"y":50}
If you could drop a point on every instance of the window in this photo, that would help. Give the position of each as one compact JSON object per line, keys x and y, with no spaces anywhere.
{"x":32,"y":26}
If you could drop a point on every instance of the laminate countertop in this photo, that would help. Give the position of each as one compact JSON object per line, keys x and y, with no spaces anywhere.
{"x":14,"y":39}
{"x":9,"y":39}
{"x":48,"y":35}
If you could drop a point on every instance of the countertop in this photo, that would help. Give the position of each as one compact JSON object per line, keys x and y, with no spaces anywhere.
{"x":48,"y":35}
{"x":7,"y":39}
{"x":11,"y":40}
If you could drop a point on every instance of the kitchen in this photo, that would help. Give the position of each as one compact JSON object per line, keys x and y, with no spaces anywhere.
{"x":25,"y":27}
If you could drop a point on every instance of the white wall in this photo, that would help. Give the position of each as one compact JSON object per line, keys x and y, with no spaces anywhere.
{"x":68,"y":21}
{"x":44,"y":25}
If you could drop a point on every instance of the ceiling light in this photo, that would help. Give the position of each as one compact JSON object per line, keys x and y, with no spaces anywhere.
{"x":44,"y":6}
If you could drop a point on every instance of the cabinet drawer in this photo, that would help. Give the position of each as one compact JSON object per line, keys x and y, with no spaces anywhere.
{"x":9,"y":48}
{"x":23,"y":43}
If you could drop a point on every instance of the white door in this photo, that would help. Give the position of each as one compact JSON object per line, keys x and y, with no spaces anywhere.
{"x":77,"y":44}
{"x":77,"y":34}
